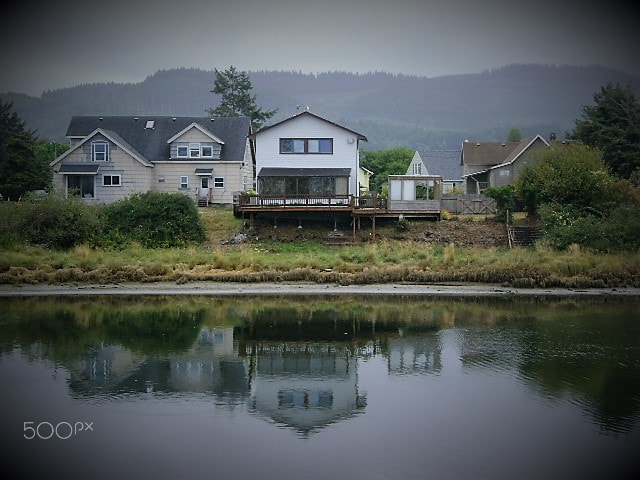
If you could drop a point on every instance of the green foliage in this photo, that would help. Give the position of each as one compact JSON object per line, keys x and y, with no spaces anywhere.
{"x":21,"y":170}
{"x":505,"y":198}
{"x":514,"y":135}
{"x":616,"y":232}
{"x":384,"y":163}
{"x":237,"y":101}
{"x":156,"y":219}
{"x":613,"y":126}
{"x":56,"y":222}
{"x":571,"y":174}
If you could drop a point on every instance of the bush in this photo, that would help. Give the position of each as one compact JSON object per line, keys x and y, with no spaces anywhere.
{"x":56,"y":222}
{"x":616,"y":232}
{"x":505,"y":198}
{"x":156,"y":220}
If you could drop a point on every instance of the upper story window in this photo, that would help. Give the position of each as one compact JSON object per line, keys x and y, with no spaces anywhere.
{"x":194,"y":150}
{"x":306,"y":145}
{"x":207,"y":151}
{"x":183,"y":151}
{"x":99,"y":151}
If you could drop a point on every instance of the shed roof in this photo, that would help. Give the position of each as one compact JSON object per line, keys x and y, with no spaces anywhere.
{"x":304,"y":172}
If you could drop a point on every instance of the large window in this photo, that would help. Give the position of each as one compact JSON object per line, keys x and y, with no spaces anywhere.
{"x":81,"y":185}
{"x":321,"y":186}
{"x":306,"y":145}
{"x":99,"y":151}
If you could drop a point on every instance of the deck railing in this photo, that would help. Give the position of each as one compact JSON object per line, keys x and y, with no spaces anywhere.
{"x":288,"y":201}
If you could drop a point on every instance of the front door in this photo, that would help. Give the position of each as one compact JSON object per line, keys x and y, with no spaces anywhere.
{"x":204,"y":187}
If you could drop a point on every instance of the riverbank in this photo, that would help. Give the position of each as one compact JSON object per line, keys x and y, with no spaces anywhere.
{"x":303,"y":289}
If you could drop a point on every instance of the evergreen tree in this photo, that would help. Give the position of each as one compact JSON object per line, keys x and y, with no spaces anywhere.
{"x":235,"y":89}
{"x":514,"y":135}
{"x":613,"y":126}
{"x":21,"y":170}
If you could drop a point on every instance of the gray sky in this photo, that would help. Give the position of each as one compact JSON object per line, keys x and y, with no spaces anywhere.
{"x":53,"y":44}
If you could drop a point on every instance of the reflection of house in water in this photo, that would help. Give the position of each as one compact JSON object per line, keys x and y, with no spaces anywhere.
{"x":211,"y":365}
{"x":410,"y":355}
{"x":306,"y":386}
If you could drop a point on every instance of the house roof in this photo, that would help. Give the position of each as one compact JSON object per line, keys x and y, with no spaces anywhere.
{"x":304,"y":172}
{"x":151,"y":143}
{"x":80,"y":169}
{"x":114,"y":137}
{"x":307,"y":113}
{"x":519,"y":149}
{"x":445,"y":163}
{"x":487,"y":153}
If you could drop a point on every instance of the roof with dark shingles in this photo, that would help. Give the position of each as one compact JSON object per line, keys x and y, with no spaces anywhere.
{"x":487,"y":153}
{"x":152,"y":144}
{"x":445,"y":163}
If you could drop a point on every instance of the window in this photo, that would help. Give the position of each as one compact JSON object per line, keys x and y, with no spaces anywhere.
{"x":306,"y":145}
{"x":99,"y":151}
{"x":183,"y":151}
{"x":81,"y":185}
{"x":417,"y":169}
{"x":218,"y":182}
{"x":303,"y":185}
{"x":504,"y":172}
{"x":111,"y":181}
{"x":194,"y":150}
{"x":184,"y":183}
{"x":207,"y":151}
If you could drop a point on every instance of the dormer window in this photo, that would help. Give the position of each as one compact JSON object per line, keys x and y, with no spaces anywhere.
{"x":207,"y":151}
{"x":194,"y":150}
{"x":99,"y":151}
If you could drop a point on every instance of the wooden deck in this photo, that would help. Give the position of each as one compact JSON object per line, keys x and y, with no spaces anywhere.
{"x":345,"y":204}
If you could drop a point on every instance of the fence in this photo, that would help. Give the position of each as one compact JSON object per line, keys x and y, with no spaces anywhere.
{"x":468,"y":204}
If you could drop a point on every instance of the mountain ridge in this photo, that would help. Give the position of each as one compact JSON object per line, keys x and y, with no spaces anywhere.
{"x":390,"y":109}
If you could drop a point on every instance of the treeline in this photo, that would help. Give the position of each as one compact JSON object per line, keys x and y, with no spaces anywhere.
{"x":391,"y":110}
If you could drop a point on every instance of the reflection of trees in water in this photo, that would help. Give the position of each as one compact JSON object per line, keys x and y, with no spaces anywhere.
{"x":587,"y":349}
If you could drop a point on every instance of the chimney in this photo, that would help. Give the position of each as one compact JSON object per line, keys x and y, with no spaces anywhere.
{"x":552,"y":136}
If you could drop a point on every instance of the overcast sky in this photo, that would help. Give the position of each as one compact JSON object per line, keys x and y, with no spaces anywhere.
{"x":63,"y":43}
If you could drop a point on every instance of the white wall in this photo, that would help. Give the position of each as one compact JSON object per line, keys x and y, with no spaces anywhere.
{"x":345,"y":147}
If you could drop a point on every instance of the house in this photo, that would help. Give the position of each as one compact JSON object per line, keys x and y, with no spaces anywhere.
{"x":113,"y":157}
{"x":364,"y":177}
{"x":307,"y":155}
{"x":445,"y":163}
{"x":496,"y":164}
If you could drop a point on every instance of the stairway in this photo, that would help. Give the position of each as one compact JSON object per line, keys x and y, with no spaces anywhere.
{"x":337,"y":238}
{"x":202,"y":202}
{"x":522,"y":236}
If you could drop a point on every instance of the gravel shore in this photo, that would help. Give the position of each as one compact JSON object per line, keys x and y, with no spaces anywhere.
{"x":252,"y":289}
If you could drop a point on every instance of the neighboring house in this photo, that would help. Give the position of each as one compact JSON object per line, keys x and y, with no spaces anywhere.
{"x":307,"y":155}
{"x":445,"y":163}
{"x":364,"y":177}
{"x":496,"y":164}
{"x":113,"y":157}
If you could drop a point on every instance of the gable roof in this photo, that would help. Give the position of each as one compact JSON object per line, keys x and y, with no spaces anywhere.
{"x":151,"y":143}
{"x":197,"y":127}
{"x":519,"y":149}
{"x":307,"y":113}
{"x":486,"y":153}
{"x":445,"y":163}
{"x":114,"y":137}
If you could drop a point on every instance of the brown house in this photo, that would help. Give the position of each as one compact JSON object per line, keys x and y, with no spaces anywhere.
{"x":495,"y":164}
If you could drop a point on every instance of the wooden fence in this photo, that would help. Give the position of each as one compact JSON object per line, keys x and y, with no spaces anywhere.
{"x":468,"y":204}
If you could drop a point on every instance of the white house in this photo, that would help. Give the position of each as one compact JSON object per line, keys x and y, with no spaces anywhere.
{"x":113,"y":157}
{"x":307,"y":155}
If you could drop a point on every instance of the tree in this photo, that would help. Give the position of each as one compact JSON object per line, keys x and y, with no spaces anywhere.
{"x":21,"y":170}
{"x":237,"y":101}
{"x":572,"y":175}
{"x":514,"y":135}
{"x":613,"y":126}
{"x":384,"y":163}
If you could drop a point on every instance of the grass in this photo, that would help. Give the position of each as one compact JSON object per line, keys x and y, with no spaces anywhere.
{"x":384,"y":261}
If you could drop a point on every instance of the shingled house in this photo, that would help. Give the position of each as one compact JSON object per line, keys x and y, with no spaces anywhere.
{"x":496,"y":164}
{"x":113,"y":157}
{"x":445,"y":163}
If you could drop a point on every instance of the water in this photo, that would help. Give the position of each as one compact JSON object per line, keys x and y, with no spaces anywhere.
{"x":277,"y":387}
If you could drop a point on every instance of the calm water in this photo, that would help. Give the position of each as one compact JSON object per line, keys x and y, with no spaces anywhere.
{"x":387,"y":388}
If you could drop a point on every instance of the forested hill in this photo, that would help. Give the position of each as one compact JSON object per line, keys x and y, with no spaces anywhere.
{"x":391,"y":110}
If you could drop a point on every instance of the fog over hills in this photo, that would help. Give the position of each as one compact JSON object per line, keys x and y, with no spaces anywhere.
{"x":391,"y":110}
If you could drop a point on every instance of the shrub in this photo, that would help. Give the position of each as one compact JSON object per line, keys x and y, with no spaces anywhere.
{"x":57,"y":222}
{"x":505,"y":198}
{"x":156,"y":219}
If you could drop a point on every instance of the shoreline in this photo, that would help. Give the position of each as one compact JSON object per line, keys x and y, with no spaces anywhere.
{"x":301,"y":288}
